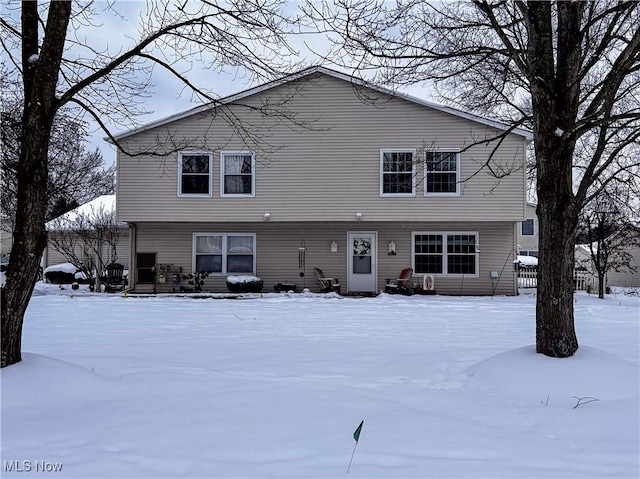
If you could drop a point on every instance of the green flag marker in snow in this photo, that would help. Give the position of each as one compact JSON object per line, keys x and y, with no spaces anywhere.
{"x":356,"y":435}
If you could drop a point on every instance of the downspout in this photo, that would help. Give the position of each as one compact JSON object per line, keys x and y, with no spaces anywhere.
{"x":99,"y":265}
{"x":515,"y":256}
{"x":44,"y":262}
{"x":525,"y":187}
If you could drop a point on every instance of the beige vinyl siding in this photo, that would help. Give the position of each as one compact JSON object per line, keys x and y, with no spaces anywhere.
{"x":529,"y":243}
{"x":278,"y":261}
{"x":6,"y":241}
{"x":123,"y":250}
{"x":627,"y":277}
{"x":53,"y":257}
{"x":328,"y":169}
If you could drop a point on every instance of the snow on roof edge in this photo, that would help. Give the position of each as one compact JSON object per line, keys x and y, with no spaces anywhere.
{"x":103,"y":203}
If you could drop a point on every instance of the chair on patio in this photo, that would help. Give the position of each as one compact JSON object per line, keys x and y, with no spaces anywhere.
{"x":327,"y":285}
{"x":401,"y":284}
{"x":114,"y":279}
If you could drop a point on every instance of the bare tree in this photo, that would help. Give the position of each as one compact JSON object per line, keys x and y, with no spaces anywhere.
{"x":87,"y":239}
{"x":59,"y":68}
{"x":569,"y":71}
{"x":75,"y":175}
{"x":608,"y":231}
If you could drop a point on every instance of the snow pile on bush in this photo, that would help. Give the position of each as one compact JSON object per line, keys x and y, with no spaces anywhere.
{"x":63,"y":273}
{"x":244,"y":284}
{"x":528,"y":261}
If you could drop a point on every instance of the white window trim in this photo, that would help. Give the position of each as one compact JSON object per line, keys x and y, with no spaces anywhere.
{"x":413,"y":172}
{"x":533,"y":222}
{"x":224,"y":252}
{"x":424,"y":179}
{"x":444,"y":253}
{"x":195,"y":195}
{"x":253,"y":174}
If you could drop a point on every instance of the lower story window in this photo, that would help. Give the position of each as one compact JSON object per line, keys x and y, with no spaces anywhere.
{"x":445,"y":253}
{"x":224,"y":253}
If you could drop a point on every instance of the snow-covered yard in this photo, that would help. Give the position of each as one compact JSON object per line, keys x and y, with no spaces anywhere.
{"x":274,"y":386}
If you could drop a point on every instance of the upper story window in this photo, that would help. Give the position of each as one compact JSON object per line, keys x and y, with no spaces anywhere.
{"x":527,"y":227}
{"x":194,"y":174}
{"x":442,"y":173}
{"x":237,"y":174}
{"x":224,"y":253}
{"x":445,"y":253}
{"x":397,"y":172}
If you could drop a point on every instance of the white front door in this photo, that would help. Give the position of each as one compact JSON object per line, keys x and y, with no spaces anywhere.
{"x":362,"y":262}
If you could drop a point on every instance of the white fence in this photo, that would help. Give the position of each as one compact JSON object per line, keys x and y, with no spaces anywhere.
{"x":527,"y":279}
{"x":584,"y":282}
{"x":581,"y":281}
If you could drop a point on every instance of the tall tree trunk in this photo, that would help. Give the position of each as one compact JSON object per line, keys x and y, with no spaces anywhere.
{"x":40,"y":76}
{"x":555,"y":91}
{"x":29,"y":239}
{"x":555,"y":331}
{"x":601,"y":287}
{"x":558,"y":212}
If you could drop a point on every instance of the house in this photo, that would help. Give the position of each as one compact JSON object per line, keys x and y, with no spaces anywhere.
{"x":628,"y":277}
{"x":527,"y":238}
{"x":528,"y":232}
{"x":6,"y":238}
{"x":354,"y":179}
{"x":72,"y":237}
{"x":585,"y":276}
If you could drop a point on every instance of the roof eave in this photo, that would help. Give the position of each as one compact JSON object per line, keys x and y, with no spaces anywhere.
{"x":527,"y":135}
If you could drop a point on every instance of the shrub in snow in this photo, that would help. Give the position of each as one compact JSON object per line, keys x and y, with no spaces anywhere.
{"x":195,"y":281}
{"x":65,"y":273}
{"x":62,"y":267}
{"x":59,"y":277}
{"x":527,"y":262}
{"x":244,"y":284}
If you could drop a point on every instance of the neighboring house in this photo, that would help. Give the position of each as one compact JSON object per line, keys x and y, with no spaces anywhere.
{"x":102,"y":207}
{"x":6,"y":242}
{"x":527,"y":236}
{"x":528,"y":232}
{"x":585,"y":275}
{"x":628,"y":277}
{"x":6,"y":237}
{"x":363,"y":183}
